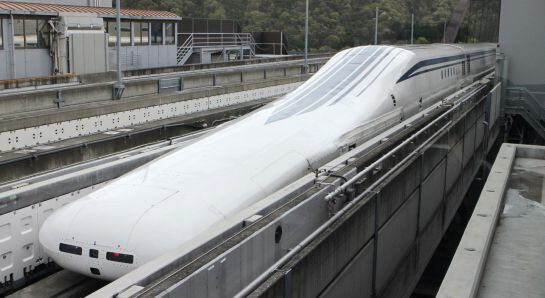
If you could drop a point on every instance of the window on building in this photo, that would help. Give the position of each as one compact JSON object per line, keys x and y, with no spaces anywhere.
{"x":137,"y":27}
{"x":141,"y":33}
{"x":19,"y":33}
{"x":29,"y":33}
{"x":44,"y":31}
{"x":112,"y":33}
{"x":1,"y":35}
{"x":170,"y":33}
{"x":145,"y":33}
{"x":126,"y":39}
{"x":156,"y":33}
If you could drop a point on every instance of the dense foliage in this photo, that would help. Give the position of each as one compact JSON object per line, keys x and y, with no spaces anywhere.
{"x":334,"y":24}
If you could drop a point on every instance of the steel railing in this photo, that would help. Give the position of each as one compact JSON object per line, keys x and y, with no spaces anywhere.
{"x":185,"y":50}
{"x":523,"y":102}
{"x":242,"y":41}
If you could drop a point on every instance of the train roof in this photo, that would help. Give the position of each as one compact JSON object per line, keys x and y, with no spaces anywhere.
{"x":439,"y":49}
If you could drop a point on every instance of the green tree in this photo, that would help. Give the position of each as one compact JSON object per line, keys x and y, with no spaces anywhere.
{"x":334,"y":24}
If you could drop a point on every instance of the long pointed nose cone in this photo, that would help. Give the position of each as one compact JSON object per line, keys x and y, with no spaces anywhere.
{"x":91,"y":235}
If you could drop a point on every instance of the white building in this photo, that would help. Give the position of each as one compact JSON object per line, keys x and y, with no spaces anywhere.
{"x":47,"y":37}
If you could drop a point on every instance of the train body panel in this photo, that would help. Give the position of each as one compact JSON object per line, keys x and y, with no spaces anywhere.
{"x":176,"y":198}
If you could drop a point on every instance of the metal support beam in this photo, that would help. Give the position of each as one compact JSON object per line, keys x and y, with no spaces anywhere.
{"x":376,"y":26}
{"x":306,"y":36}
{"x":412,"y":28}
{"x":118,"y":86}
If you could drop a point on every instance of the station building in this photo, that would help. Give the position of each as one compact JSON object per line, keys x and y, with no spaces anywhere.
{"x":50,"y":38}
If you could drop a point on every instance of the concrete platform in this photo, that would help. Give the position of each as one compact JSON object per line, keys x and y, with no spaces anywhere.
{"x":502,"y":252}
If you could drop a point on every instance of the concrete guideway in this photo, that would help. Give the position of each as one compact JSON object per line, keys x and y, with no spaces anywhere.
{"x":38,"y":117}
{"x":32,"y":160}
{"x":78,"y":121}
{"x":501,"y":252}
{"x":55,"y":97}
{"x":25,"y":204}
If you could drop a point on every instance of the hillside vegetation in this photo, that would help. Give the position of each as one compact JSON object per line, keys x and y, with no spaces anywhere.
{"x":334,"y":24}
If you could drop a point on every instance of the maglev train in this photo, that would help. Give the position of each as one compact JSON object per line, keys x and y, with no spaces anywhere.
{"x":170,"y":201}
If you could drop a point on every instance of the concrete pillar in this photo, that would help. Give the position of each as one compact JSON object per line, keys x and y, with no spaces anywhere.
{"x":9,"y":47}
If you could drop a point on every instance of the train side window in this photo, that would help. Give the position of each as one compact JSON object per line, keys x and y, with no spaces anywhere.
{"x":441,"y":74}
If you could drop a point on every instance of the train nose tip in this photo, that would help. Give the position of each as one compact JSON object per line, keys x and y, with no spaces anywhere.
{"x":63,"y":240}
{"x":50,"y":234}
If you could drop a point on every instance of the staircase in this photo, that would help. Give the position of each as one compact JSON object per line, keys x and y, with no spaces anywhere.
{"x":185,"y":51}
{"x":246,"y":40}
{"x":520,"y":101}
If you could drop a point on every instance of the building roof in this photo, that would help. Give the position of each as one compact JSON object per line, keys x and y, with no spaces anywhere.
{"x":36,"y":8}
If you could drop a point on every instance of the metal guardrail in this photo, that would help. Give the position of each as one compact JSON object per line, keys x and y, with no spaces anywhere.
{"x":185,"y":51}
{"x":214,"y":40}
{"x":523,"y":102}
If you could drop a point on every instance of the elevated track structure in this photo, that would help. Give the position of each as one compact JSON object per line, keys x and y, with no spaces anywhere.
{"x":370,"y":219}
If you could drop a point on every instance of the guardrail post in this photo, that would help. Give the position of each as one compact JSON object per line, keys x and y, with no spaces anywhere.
{"x":60,"y":99}
{"x":375,"y":247}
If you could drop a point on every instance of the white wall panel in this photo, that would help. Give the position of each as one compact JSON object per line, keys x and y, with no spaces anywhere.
{"x":20,"y":250}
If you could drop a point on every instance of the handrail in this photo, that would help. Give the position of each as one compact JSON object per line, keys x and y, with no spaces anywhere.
{"x":243,"y":40}
{"x":185,"y":50}
{"x":528,"y":99}
{"x":375,"y":164}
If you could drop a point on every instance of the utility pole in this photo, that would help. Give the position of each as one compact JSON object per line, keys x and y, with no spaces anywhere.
{"x":118,"y":86}
{"x":306,"y":37}
{"x":445,"y":32}
{"x":412,"y":28}
{"x":376,"y":26}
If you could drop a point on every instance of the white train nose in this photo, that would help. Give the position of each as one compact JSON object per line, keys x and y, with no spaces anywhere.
{"x":90,"y":236}
{"x":58,"y":238}
{"x":53,"y":235}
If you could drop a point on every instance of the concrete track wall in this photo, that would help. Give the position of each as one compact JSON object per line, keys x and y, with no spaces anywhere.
{"x":58,"y":99}
{"x":382,"y":247}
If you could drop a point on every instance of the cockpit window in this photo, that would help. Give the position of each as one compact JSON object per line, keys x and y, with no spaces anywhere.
{"x":71,"y":249}
{"x":119,"y":257}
